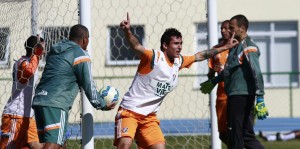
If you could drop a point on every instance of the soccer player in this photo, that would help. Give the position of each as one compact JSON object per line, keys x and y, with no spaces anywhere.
{"x":216,"y":64}
{"x":157,"y":75}
{"x":18,"y":129}
{"x":243,"y":83}
{"x":68,"y":68}
{"x":280,"y":136}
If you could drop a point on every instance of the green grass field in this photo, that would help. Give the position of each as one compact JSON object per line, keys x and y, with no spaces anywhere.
{"x":188,"y":142}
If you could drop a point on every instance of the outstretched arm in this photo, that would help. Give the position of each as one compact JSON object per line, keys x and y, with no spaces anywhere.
{"x":82,"y":70}
{"x":133,"y":42}
{"x":202,"y":55}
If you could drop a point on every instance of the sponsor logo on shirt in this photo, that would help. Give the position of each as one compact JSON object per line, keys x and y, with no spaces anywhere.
{"x":125,"y":130}
{"x":161,"y":88}
{"x":43,"y":92}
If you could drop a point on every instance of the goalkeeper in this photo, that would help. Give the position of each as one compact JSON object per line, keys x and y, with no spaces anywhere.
{"x":243,"y":83}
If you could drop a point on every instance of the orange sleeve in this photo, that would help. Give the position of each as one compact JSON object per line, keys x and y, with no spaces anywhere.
{"x":210,"y":63}
{"x":218,"y":59}
{"x":26,"y":69}
{"x":188,"y":61}
{"x":145,"y":63}
{"x":223,"y":57}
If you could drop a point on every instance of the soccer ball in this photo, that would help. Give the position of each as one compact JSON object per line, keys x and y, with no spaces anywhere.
{"x":110,"y":94}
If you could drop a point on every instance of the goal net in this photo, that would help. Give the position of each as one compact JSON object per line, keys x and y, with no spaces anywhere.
{"x":184,"y":113}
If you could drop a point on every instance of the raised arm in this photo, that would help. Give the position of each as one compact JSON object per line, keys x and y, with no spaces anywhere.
{"x":202,"y":55}
{"x":27,"y":68}
{"x":133,"y":42}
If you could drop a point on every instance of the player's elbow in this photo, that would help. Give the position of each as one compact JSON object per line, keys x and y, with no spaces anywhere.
{"x":24,"y":76}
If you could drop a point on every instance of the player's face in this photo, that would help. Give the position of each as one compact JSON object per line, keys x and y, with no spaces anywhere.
{"x":225,"y":31}
{"x":174,"y":48}
{"x":233,"y":26}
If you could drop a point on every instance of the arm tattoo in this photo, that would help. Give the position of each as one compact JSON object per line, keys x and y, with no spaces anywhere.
{"x":210,"y":53}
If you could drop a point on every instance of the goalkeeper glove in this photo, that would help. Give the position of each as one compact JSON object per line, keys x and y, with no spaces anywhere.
{"x":208,"y":85}
{"x":261,"y":109}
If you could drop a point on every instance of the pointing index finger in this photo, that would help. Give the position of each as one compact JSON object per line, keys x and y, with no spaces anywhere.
{"x":233,"y":36}
{"x":128,"y":19}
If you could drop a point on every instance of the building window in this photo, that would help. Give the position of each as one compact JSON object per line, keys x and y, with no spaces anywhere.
{"x":4,"y":47}
{"x":53,"y":35}
{"x":119,"y":52}
{"x":202,"y":44}
{"x":278,"y":44}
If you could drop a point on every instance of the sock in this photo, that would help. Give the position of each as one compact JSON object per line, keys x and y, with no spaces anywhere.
{"x":271,"y":137}
{"x":288,"y":136}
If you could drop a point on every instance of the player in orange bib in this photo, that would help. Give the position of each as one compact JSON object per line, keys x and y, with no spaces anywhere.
{"x":18,"y":129}
{"x":216,"y":64}
{"x":157,"y":75}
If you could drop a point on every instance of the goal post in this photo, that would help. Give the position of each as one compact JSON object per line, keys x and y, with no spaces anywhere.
{"x":87,"y":108}
{"x":34,"y":17}
{"x":213,"y":40}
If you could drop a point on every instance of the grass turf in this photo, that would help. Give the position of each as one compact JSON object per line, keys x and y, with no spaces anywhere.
{"x":187,"y":142}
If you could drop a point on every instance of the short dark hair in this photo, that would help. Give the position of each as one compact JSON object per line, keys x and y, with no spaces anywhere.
{"x":226,"y":21}
{"x":241,"y":20}
{"x":31,"y":42}
{"x":166,"y":37}
{"x":78,"y":31}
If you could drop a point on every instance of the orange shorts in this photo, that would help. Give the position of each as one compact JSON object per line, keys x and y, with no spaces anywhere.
{"x":144,"y":130}
{"x":221,"y":108}
{"x":17,"y":132}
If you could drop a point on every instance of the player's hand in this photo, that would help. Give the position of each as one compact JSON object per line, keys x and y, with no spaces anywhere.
{"x":218,"y":67}
{"x":125,"y":24}
{"x":109,"y":106}
{"x":39,"y":48}
{"x":260,"y":108}
{"x":207,"y":86}
{"x":231,"y":42}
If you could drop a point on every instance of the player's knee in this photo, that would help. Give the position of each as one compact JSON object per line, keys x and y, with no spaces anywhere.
{"x":124,"y":143}
{"x":35,"y":145}
{"x":51,"y":145}
{"x":158,"y":146}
